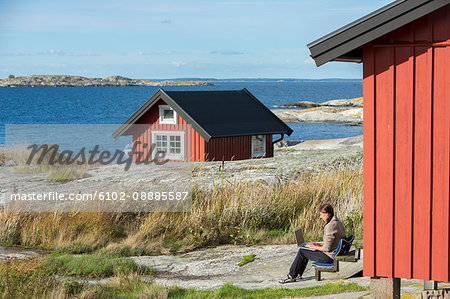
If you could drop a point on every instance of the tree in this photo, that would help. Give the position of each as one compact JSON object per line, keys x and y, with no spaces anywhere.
{"x":11,"y":76}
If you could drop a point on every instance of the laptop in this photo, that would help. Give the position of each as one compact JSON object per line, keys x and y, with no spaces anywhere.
{"x":301,"y":239}
{"x":299,"y":236}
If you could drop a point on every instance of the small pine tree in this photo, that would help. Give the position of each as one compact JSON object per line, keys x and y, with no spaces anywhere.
{"x":11,"y":76}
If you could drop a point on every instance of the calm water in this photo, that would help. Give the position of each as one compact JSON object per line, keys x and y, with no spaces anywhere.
{"x":113,"y":105}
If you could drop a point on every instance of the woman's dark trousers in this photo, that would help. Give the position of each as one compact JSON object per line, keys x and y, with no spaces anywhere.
{"x":301,"y":260}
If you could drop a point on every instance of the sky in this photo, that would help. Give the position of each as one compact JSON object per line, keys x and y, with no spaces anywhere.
{"x":173,"y":39}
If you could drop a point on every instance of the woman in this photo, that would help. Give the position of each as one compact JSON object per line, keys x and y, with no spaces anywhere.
{"x":333,"y":232}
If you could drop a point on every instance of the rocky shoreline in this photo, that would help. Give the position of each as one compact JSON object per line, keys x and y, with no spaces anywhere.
{"x":356,"y":102}
{"x":347,"y":111}
{"x":68,"y":80}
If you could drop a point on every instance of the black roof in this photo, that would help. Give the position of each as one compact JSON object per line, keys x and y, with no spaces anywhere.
{"x":216,"y":113}
{"x":345,"y":43}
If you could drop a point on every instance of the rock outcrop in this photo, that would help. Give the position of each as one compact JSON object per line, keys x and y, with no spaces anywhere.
{"x":321,"y":114}
{"x":356,"y":102}
{"x":67,"y":80}
{"x":302,"y":104}
{"x":330,"y":144}
{"x":210,"y":268}
{"x":340,"y":111}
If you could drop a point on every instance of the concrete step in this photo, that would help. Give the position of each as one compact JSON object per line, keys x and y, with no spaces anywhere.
{"x":346,"y":270}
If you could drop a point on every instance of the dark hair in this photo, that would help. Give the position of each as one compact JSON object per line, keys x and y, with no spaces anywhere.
{"x":327,"y":208}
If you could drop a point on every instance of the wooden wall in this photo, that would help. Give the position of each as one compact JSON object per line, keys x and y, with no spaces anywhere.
{"x":142,"y":138}
{"x":234,"y":148}
{"x":407,"y":151}
{"x":196,"y":149}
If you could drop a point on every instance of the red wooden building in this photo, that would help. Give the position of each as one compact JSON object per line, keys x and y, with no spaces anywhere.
{"x":202,"y":126}
{"x":405,"y":51}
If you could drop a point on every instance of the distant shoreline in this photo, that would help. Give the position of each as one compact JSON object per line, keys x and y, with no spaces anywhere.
{"x":69,"y":81}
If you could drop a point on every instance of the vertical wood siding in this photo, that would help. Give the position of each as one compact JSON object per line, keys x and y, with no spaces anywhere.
{"x":407,"y":151}
{"x":234,"y":148}
{"x":194,"y":149}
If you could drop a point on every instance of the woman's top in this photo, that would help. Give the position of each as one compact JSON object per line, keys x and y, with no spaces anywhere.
{"x":333,"y":232}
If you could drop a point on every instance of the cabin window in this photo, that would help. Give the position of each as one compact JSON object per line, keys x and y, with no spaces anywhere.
{"x":168,"y":145}
{"x":258,"y":146}
{"x":167,"y":115}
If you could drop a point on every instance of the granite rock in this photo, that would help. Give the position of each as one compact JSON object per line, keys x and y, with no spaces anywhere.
{"x":67,"y":80}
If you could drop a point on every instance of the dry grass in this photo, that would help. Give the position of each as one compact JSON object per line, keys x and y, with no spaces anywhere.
{"x":255,"y":167}
{"x":66,"y":174}
{"x":57,"y":172}
{"x":26,"y":279}
{"x":245,"y":213}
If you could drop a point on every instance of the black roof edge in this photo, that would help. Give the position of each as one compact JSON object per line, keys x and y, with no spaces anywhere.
{"x":136,"y":115}
{"x":354,"y":23}
{"x":289,"y":130}
{"x":250,"y":134}
{"x":186,"y":116}
{"x":160,"y":94}
{"x":339,"y":44}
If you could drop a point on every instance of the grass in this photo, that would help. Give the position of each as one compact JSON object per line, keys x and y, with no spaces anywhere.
{"x":230,"y":291}
{"x":92,"y":265}
{"x":60,"y":171}
{"x":66,"y":174}
{"x":34,"y":278}
{"x":256,"y":167}
{"x":247,"y":259}
{"x":239,"y":213}
{"x":41,"y":277}
{"x":130,"y":288}
{"x":26,"y":279}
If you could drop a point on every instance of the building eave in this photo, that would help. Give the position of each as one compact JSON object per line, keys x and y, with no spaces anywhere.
{"x":342,"y":44}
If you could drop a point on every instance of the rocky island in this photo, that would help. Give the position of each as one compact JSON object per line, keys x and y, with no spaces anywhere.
{"x":348,"y":111}
{"x":67,"y":80}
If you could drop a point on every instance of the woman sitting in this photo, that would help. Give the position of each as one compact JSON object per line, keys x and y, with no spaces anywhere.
{"x":333,"y":232}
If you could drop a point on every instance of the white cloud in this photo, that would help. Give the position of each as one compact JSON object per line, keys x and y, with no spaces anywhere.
{"x":163,"y":52}
{"x":178,"y":63}
{"x":15,"y":54}
{"x":50,"y":52}
{"x":228,"y":52}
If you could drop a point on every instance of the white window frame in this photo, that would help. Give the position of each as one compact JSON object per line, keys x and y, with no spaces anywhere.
{"x":161,"y":115}
{"x":259,"y":154}
{"x":168,"y":155}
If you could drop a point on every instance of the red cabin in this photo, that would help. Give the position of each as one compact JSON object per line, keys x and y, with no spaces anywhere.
{"x":405,"y":51}
{"x":202,"y":126}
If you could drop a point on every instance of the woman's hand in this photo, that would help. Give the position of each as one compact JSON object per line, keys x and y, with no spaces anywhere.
{"x":316,"y":246}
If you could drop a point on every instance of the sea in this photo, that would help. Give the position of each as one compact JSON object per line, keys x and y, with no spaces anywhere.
{"x":45,"y":112}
